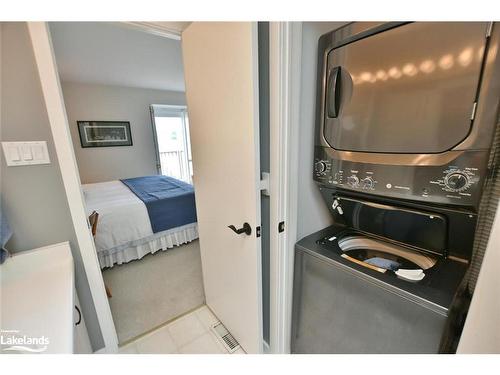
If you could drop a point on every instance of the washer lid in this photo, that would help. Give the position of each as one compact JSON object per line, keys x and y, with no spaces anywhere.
{"x":420,"y":229}
{"x":373,"y":248}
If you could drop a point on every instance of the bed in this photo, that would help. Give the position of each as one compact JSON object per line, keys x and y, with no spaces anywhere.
{"x":139,"y":216}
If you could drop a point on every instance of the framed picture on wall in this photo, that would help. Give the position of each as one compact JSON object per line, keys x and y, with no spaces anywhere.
{"x":104,"y":133}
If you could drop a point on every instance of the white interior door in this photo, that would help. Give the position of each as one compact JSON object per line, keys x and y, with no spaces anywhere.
{"x":220,"y":67}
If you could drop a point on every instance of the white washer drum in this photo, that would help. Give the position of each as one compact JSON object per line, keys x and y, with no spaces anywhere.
{"x":383,"y":256}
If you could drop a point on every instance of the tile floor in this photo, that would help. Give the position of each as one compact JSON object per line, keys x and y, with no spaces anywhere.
{"x":189,"y":334}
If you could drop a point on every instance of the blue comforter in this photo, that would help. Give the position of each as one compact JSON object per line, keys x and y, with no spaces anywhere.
{"x":170,"y":202}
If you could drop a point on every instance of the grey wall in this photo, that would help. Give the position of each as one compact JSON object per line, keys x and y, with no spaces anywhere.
{"x":33,"y":197}
{"x":103,"y":102}
{"x":312,"y":212}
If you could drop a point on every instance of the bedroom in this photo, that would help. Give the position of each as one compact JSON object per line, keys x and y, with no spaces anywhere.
{"x":124,"y":95}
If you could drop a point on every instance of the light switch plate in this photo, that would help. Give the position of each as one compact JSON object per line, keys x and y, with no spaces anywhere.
{"x":25,"y":153}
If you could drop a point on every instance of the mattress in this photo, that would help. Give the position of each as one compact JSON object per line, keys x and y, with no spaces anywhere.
{"x":124,"y":231}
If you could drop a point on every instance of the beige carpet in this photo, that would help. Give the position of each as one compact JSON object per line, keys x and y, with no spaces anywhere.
{"x":155,"y":289}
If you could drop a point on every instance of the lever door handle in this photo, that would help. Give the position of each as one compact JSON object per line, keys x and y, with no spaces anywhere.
{"x":247,"y":229}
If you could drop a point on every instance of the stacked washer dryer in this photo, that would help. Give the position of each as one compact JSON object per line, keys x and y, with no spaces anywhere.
{"x":404,"y":125}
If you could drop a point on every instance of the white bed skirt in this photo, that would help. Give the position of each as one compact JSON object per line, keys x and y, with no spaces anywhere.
{"x":150,"y":245}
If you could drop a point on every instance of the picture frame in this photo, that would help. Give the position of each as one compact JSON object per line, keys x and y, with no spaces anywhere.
{"x":104,"y":133}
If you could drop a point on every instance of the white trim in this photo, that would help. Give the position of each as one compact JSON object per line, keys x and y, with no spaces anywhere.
{"x":156,"y":28}
{"x":173,"y":109}
{"x":49,"y":79}
{"x":255,"y":75}
{"x":155,"y":139}
{"x":284,"y":59}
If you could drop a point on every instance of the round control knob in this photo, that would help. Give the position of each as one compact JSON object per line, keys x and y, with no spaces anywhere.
{"x":456,"y":181}
{"x":320,"y":167}
{"x":353,"y":181}
{"x":367,"y":183}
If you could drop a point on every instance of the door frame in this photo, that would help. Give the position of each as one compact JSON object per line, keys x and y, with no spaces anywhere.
{"x":284,"y":59}
{"x":285,"y":48}
{"x":58,"y":120}
{"x":41,"y":41}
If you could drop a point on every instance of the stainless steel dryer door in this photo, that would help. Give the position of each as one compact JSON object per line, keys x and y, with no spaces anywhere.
{"x":410,"y":89}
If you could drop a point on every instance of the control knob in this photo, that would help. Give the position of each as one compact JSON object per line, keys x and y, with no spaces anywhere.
{"x":320,"y":167}
{"x":456,"y":181}
{"x":367,"y":183}
{"x":353,"y":181}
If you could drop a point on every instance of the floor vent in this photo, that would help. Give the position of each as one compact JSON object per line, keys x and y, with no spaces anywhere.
{"x":225,"y":337}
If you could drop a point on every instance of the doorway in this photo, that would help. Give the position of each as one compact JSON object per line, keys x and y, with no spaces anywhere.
{"x":240,"y":94}
{"x":150,"y":264}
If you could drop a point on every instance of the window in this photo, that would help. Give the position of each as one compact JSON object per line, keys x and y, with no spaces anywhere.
{"x":171,"y":134}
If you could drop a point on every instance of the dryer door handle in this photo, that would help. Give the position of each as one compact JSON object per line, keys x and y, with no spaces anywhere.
{"x":334,"y":89}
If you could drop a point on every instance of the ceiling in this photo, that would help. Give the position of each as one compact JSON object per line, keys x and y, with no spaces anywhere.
{"x":120,"y":54}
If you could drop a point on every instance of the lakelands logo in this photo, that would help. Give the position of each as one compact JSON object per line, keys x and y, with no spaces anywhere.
{"x":14,"y":341}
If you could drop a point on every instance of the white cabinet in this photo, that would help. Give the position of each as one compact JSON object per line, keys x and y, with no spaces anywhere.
{"x":81,"y":337}
{"x":38,"y":303}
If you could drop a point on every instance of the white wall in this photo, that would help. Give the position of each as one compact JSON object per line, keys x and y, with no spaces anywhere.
{"x":312,"y":212}
{"x":481,"y":333}
{"x":114,"y":103}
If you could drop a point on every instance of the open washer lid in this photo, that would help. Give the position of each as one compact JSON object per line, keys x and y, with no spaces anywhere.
{"x":417,"y":229}
{"x":363,"y":249}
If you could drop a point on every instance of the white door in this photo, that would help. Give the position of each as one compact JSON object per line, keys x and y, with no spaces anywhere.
{"x":220,"y":67}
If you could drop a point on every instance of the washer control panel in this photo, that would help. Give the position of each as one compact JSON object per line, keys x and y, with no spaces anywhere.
{"x":455,"y":180}
{"x":458,"y":182}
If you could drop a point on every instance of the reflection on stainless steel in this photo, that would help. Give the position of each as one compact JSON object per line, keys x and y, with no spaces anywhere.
{"x":381,"y":75}
{"x":356,"y":80}
{"x":410,"y":70}
{"x":414,"y":88}
{"x":427,"y":66}
{"x":480,"y":53}
{"x":395,"y":73}
{"x":465,"y":57}
{"x":367,"y":77}
{"x":446,"y":62}
{"x":492,"y":54}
